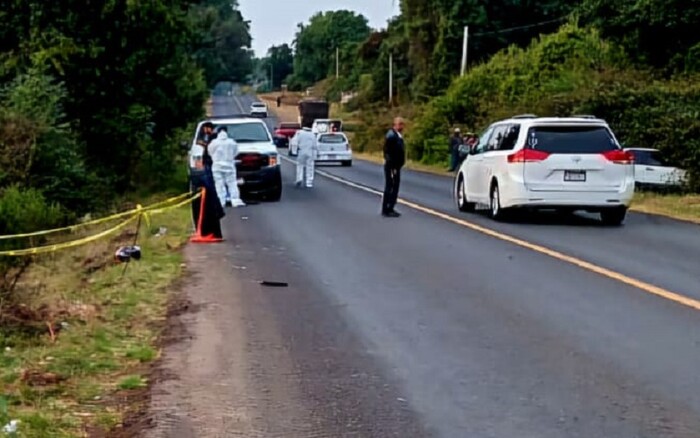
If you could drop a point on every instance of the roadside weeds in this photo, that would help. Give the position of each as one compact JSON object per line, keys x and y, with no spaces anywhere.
{"x":106,"y":332}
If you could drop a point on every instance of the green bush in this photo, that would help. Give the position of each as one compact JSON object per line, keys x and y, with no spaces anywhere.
{"x":22,"y":211}
{"x":514,"y":81}
{"x":570,"y":72}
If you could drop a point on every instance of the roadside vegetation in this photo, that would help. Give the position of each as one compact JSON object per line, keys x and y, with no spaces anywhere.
{"x":94,"y":100}
{"x":634,"y":63}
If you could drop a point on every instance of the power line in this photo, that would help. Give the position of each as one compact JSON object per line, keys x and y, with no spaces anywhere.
{"x":510,"y":29}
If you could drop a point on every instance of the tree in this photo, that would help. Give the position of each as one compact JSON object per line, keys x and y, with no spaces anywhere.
{"x":659,"y":33}
{"x":316,"y":43}
{"x":279,"y":62}
{"x":133,"y":73}
{"x":435,"y":31}
{"x":224,"y":51}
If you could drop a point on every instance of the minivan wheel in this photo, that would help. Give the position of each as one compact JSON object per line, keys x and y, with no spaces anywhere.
{"x":461,"y":197}
{"x":613,"y":216}
{"x":495,"y":210}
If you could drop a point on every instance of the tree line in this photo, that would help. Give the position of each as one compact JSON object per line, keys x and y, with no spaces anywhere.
{"x":94,"y":96}
{"x":92,"y":93}
{"x":647,"y":89}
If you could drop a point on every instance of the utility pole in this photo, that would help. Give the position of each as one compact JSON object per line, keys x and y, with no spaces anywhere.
{"x":464,"y":50}
{"x":391,"y":77}
{"x":337,"y":62}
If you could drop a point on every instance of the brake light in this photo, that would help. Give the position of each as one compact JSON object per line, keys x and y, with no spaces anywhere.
{"x":527,"y":156}
{"x":619,"y":156}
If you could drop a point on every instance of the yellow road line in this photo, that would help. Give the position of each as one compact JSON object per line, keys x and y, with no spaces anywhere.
{"x":646,"y":287}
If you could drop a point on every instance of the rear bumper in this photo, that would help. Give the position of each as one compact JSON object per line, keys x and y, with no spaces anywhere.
{"x":260,"y":182}
{"x":334,"y":156}
{"x":521,"y":197}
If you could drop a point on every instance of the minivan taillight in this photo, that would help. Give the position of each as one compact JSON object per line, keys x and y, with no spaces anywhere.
{"x":527,"y":156}
{"x":619,"y":156}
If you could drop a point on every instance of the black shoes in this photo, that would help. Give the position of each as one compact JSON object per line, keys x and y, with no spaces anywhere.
{"x":391,"y":214}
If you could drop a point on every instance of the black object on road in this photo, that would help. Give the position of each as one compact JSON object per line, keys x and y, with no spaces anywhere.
{"x":274,"y":283}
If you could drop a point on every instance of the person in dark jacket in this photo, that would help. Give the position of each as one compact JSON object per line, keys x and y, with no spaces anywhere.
{"x":200,"y":178}
{"x":394,"y":159}
{"x":455,"y":143}
{"x":206,"y":135}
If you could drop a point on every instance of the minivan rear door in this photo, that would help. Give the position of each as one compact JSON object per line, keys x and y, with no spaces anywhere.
{"x":575,"y":157}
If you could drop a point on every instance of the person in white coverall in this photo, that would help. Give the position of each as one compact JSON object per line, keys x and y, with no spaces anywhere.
{"x":223,"y":151}
{"x":307,"y":148}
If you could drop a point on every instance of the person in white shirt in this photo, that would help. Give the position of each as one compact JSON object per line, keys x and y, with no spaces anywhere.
{"x":307,"y":150}
{"x":223,"y":151}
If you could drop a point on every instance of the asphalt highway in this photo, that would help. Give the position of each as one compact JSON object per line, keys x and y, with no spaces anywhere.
{"x":469,"y":333}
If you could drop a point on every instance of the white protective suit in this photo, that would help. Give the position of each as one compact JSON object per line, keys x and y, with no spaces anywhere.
{"x":223,"y":151}
{"x":307,"y":151}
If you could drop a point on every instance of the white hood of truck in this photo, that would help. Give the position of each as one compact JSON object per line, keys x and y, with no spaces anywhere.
{"x":259,"y":147}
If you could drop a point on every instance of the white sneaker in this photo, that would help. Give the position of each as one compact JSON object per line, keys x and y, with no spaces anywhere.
{"x":238,"y":203}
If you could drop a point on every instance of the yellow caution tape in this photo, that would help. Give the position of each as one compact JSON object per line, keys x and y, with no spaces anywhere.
{"x":139,"y":211}
{"x":111,"y":218}
{"x":65,"y":245}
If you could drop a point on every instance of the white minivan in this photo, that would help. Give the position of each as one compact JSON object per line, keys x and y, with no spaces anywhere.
{"x":567,"y":164}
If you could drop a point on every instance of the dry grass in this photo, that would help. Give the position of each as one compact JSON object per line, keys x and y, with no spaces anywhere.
{"x":683,"y":207}
{"x":377,"y":157}
{"x":106,"y":328}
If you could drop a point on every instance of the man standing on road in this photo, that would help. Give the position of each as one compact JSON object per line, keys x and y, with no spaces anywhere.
{"x":394,"y":159}
{"x":307,"y":148}
{"x":455,"y":143}
{"x":223,"y":151}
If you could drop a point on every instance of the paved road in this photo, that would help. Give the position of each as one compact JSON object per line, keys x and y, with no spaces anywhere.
{"x":422,"y":327}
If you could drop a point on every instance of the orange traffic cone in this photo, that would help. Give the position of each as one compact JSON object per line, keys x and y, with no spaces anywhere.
{"x":197,"y":237}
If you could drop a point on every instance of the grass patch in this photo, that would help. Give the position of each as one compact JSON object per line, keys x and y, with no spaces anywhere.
{"x":378,"y":157}
{"x":683,"y":207}
{"x":132,"y":382}
{"x":106,"y":325}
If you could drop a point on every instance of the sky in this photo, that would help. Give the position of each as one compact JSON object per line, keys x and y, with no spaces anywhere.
{"x":274,"y":22}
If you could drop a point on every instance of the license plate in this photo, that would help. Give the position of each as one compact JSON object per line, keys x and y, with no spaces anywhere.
{"x":331,"y":157}
{"x":575,"y":175}
{"x":240,"y":181}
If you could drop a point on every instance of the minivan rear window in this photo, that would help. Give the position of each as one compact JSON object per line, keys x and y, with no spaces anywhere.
{"x":571,"y":139}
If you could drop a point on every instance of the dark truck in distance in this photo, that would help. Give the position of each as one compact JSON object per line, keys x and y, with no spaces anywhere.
{"x":284,"y":132}
{"x":312,"y":109}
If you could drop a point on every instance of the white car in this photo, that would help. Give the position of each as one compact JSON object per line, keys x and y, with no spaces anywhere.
{"x":334,"y":147}
{"x":258,"y":109}
{"x":652,"y":171}
{"x":257,"y":163}
{"x":566,"y":164}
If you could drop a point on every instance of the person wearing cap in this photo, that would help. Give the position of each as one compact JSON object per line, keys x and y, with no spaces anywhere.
{"x":455,"y":143}
{"x":307,"y":149}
